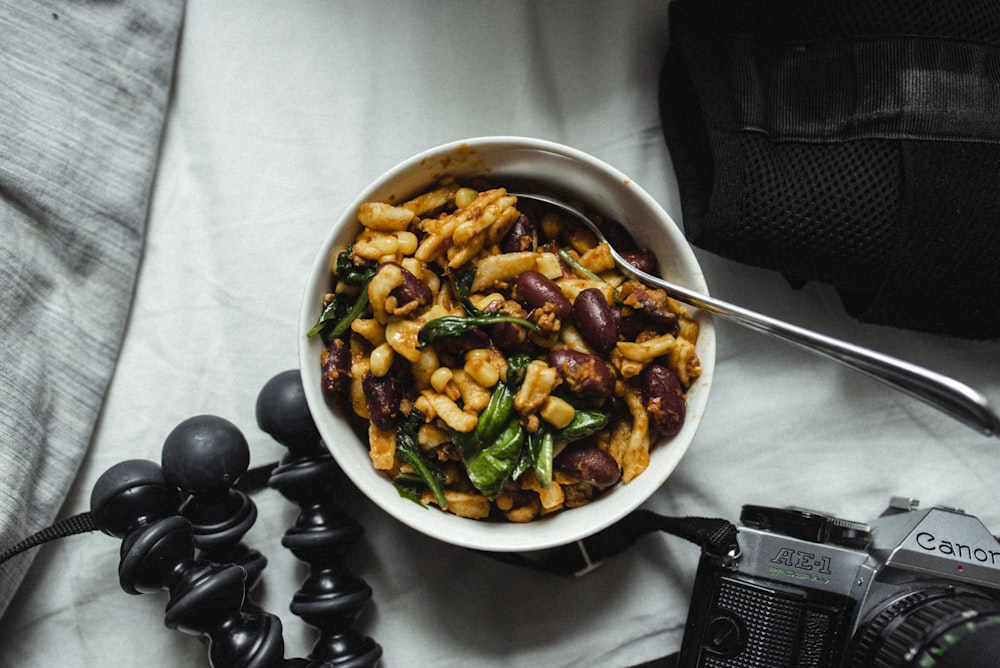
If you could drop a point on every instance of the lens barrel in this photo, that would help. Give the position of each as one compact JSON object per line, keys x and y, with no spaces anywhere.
{"x":941,"y":627}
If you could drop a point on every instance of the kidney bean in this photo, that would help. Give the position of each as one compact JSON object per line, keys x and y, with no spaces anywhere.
{"x":383,"y":396}
{"x":595,"y":320}
{"x":616,"y":408}
{"x":508,"y":336}
{"x":664,"y":399}
{"x":335,"y":376}
{"x":629,"y":326}
{"x":651,"y":304}
{"x":535,"y":290}
{"x":412,"y":289}
{"x":520,"y":237}
{"x":589,"y":464}
{"x":642,"y":260}
{"x":661,"y":318}
{"x":585,"y":375}
{"x":468,"y":340}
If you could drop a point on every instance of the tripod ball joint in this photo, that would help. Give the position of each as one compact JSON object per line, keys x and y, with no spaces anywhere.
{"x":205,"y":453}
{"x":130,"y":494}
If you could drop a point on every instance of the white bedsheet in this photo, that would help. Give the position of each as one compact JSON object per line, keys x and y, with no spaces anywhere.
{"x":281,"y":113}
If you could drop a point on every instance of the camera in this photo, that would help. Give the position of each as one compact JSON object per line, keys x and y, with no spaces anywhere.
{"x":913,"y":587}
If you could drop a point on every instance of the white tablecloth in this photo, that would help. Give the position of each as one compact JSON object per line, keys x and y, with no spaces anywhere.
{"x":281,"y":113}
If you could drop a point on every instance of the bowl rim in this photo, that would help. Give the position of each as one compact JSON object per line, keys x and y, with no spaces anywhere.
{"x":456,"y":156}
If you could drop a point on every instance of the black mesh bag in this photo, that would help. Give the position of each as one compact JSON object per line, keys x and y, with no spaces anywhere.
{"x":853,"y":143}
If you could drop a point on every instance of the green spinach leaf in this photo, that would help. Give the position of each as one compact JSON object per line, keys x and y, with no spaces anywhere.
{"x":454,"y":325}
{"x":408,"y":449}
{"x":492,"y":465}
{"x":584,"y":424}
{"x":338,"y":315}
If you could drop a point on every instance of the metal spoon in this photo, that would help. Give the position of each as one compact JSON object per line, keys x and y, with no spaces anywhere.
{"x":946,"y":394}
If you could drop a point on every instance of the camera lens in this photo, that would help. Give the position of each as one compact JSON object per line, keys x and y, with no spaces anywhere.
{"x":942,"y":627}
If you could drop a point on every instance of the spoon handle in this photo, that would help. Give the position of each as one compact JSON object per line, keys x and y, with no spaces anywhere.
{"x":946,"y":394}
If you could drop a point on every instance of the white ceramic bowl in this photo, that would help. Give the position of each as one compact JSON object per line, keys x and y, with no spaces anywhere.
{"x":602,"y":188}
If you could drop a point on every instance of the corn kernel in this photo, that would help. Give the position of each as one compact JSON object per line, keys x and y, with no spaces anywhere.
{"x":465,"y":196}
{"x":551,"y":225}
{"x":483,"y":372}
{"x":477,"y":354}
{"x":406,"y":242}
{"x":381,"y":360}
{"x":441,"y":378}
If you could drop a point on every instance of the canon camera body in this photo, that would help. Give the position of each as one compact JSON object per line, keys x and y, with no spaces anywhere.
{"x":914,"y":587}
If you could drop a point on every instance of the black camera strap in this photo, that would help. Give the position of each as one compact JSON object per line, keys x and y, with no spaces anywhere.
{"x":77,"y":524}
{"x":714,"y":536}
{"x":254,"y":480}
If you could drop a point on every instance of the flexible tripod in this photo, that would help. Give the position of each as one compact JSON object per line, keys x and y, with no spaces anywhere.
{"x":182,"y":522}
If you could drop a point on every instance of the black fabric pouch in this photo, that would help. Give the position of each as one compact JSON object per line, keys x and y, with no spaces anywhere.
{"x":852,"y":143}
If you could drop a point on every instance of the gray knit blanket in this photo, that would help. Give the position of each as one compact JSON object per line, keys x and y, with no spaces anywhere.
{"x":84,"y":88}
